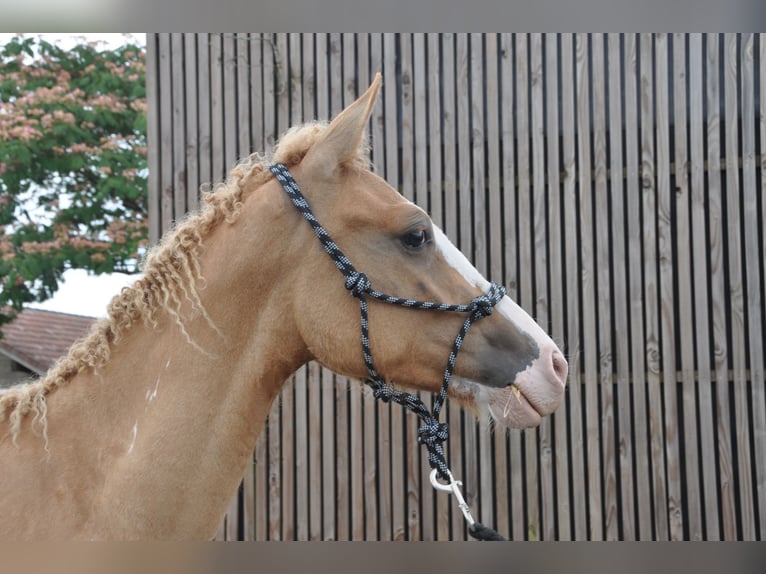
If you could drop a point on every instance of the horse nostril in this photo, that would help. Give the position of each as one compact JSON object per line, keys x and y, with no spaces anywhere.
{"x":560,"y":366}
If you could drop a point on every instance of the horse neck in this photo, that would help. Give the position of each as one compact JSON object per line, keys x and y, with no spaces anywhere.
{"x":174,"y":419}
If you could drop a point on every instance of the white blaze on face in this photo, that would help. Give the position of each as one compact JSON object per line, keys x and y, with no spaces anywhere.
{"x":458,"y":261}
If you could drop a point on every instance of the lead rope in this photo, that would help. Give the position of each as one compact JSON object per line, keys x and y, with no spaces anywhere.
{"x":431,"y":433}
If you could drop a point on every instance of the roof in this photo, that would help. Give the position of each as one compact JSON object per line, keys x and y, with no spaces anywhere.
{"x":37,"y":338}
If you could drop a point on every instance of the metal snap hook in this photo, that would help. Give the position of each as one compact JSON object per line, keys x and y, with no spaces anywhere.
{"x":453,"y":486}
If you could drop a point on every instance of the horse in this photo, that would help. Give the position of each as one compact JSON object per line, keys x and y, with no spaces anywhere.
{"x":144,"y":430}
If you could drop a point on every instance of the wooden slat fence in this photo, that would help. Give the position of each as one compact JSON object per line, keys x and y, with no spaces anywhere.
{"x":614,"y":183}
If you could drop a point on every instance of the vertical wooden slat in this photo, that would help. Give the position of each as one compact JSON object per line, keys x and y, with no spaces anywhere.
{"x":478,"y":82}
{"x":560,"y":508}
{"x":542,"y":445}
{"x":467,"y":432}
{"x":322,"y":92}
{"x":588,"y":290}
{"x":642,"y":470}
{"x":736,"y":288}
{"x":701,"y":287}
{"x":718,"y":292}
{"x":452,"y":527}
{"x":438,"y":142}
{"x":343,"y":519}
{"x":759,"y":379}
{"x":329,"y":507}
{"x":478,"y":137}
{"x":255,"y":77}
{"x":282,"y":83}
{"x":274,"y":454}
{"x":736,"y":201}
{"x":191,"y":145}
{"x":295,"y":78}
{"x":511,"y":193}
{"x":380,"y":58}
{"x":301,"y":463}
{"x":603,"y":293}
{"x":436,"y":138}
{"x":574,"y":352}
{"x":753,"y":279}
{"x":420,"y":509}
{"x":497,"y":441}
{"x":230,"y":111}
{"x":393,"y":435}
{"x":167,"y":215}
{"x":243,"y":68}
{"x":683,"y":274}
{"x":307,"y":79}
{"x":421,"y":156}
{"x":403,"y":446}
{"x":406,"y":166}
{"x":203,"y":99}
{"x":269,"y":101}
{"x":302,"y":439}
{"x":667,"y":324}
{"x":465,"y":141}
{"x":525,"y":268}
{"x":620,"y":298}
{"x":260,"y":492}
{"x":315,"y":451}
{"x":335,"y":68}
{"x":217,"y":145}
{"x":415,"y":177}
{"x":494,"y":197}
{"x":153,"y":135}
{"x":651,"y":288}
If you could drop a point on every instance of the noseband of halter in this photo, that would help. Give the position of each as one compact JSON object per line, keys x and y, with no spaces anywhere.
{"x":431,"y":433}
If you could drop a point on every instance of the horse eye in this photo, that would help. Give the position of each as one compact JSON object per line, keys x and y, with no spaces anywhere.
{"x":415,"y":239}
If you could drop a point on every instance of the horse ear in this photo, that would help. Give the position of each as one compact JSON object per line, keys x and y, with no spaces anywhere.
{"x":340,"y":141}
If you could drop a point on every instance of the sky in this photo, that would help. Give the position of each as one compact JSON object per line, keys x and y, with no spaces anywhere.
{"x":82,"y":293}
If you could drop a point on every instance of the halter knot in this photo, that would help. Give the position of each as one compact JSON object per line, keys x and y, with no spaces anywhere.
{"x":483,"y":305}
{"x":357,"y":283}
{"x":383,"y":392}
{"x":433,"y":432}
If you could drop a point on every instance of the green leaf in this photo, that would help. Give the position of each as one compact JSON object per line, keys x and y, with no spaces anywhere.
{"x":56,"y":152}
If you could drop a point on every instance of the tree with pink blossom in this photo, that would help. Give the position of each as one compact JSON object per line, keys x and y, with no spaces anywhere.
{"x":73,"y":172}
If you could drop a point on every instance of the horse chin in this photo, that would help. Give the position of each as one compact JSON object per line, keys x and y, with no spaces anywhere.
{"x":507,"y":407}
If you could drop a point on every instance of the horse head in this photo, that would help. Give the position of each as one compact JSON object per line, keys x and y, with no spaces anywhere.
{"x":508,"y":366}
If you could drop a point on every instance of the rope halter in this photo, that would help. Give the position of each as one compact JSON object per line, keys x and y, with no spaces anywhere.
{"x":431,"y":433}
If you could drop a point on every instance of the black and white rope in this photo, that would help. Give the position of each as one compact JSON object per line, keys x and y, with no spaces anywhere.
{"x":431,"y":433}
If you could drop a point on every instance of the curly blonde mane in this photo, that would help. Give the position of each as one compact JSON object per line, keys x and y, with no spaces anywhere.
{"x":171,"y":277}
